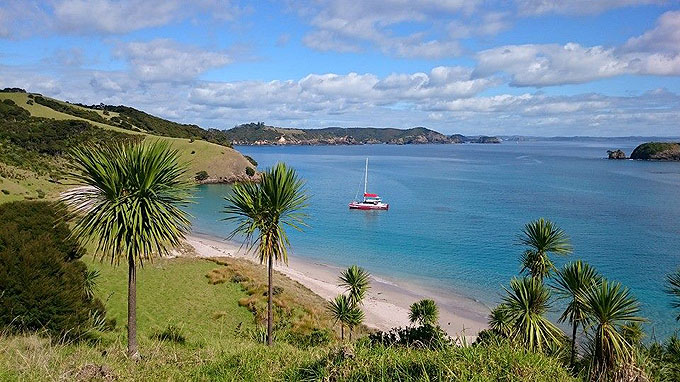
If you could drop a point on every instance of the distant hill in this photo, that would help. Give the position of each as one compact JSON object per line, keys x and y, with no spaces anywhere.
{"x":261,"y":134}
{"x":36,"y":132}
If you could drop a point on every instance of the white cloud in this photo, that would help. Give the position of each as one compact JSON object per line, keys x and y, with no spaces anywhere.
{"x":23,"y":18}
{"x":551,"y":64}
{"x":656,"y":52}
{"x":663,"y":38}
{"x":350,"y":26}
{"x":538,"y":7}
{"x":166,"y":60}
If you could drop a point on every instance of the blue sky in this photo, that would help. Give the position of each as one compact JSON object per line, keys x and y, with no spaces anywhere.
{"x":533,"y":67}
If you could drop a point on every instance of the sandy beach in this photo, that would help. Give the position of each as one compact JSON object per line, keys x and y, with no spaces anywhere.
{"x":387,"y":303}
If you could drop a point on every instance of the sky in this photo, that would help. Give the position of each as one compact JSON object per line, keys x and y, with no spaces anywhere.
{"x":525,"y":67}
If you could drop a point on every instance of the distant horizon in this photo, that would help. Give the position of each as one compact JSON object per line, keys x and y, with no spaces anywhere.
{"x":519,"y":67}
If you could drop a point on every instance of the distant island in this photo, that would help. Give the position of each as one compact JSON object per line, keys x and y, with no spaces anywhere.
{"x":261,"y":134}
{"x":656,"y":151}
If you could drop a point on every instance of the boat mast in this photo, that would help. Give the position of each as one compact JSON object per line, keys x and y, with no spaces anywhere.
{"x":366,"y":177}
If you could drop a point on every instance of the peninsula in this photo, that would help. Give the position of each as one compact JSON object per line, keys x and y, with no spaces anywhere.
{"x":261,"y":134}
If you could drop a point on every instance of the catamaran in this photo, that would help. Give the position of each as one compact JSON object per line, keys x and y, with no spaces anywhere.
{"x":371,"y":201}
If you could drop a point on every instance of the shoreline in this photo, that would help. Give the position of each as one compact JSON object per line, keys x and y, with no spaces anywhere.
{"x":387,"y":303}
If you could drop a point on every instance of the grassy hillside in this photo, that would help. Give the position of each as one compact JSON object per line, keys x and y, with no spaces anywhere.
{"x":35,"y":176}
{"x":217,"y":325}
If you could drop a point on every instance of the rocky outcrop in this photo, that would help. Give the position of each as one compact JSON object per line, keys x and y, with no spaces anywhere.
{"x":616,"y":154}
{"x":241,"y":178}
{"x":659,"y":151}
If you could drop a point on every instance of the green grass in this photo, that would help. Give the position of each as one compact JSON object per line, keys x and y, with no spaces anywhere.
{"x":174,"y":292}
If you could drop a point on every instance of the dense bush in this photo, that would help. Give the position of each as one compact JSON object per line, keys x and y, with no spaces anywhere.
{"x":251,"y":160}
{"x":129,"y":118}
{"x":42,"y":281}
{"x":424,"y":336}
{"x":71,"y":110}
{"x":250,"y":171}
{"x":201,"y":176}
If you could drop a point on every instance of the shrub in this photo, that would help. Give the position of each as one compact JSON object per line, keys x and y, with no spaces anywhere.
{"x":316,"y":337}
{"x":171,"y":333}
{"x":105,"y":112}
{"x":41,"y":279}
{"x":250,"y":171}
{"x":6,"y":192}
{"x":251,"y":160}
{"x":424,"y":336}
{"x":29,"y":102}
{"x":41,"y":193}
{"x":201,"y":176}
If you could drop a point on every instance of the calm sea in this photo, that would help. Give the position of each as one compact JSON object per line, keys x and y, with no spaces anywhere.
{"x":456,"y":212}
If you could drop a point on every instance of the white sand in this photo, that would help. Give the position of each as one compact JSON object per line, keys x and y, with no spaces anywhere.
{"x":386,"y":305}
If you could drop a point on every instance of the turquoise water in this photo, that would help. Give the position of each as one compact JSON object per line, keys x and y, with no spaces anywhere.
{"x":456,"y":211}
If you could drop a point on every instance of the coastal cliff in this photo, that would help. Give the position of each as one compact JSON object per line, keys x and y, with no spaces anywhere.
{"x":659,"y":151}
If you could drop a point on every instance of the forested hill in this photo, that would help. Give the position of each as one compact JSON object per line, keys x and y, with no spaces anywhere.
{"x":261,"y":134}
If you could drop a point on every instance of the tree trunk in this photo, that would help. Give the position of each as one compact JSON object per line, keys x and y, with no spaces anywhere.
{"x":573,"y":345}
{"x":270,"y":312}
{"x":342,"y":332}
{"x":133,"y":349}
{"x":350,"y":333}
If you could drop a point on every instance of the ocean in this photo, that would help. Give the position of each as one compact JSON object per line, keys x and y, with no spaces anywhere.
{"x":456,"y":212}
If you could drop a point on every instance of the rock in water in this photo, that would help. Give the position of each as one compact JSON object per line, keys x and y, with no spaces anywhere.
{"x":616,"y":154}
{"x":661,"y":151}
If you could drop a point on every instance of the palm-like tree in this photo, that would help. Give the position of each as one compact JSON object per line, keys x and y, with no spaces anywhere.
{"x":570,"y":282}
{"x":343,"y":310}
{"x":500,"y":321}
{"x":261,"y":212}
{"x":673,"y":289}
{"x":424,"y":312}
{"x":543,"y":238}
{"x":129,"y":203}
{"x":608,"y":307}
{"x":527,"y":302}
{"x":356,"y":282}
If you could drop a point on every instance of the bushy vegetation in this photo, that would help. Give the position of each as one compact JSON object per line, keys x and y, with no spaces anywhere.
{"x":131,"y":118}
{"x":43,"y":283}
{"x":69,"y":109}
{"x":201,"y":176}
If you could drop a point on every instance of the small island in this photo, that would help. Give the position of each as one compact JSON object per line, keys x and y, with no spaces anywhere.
{"x":657,"y":151}
{"x":616,"y":154}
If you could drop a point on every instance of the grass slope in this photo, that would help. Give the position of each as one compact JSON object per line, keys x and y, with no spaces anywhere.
{"x":218,"y":161}
{"x":179,"y":292}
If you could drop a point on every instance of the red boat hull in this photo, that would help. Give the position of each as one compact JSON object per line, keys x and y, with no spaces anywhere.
{"x":361,"y":206}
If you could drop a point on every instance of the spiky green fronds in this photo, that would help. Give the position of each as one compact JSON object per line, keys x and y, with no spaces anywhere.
{"x":356,"y":282}
{"x":263,"y":210}
{"x":527,"y":302}
{"x":129,"y":200}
